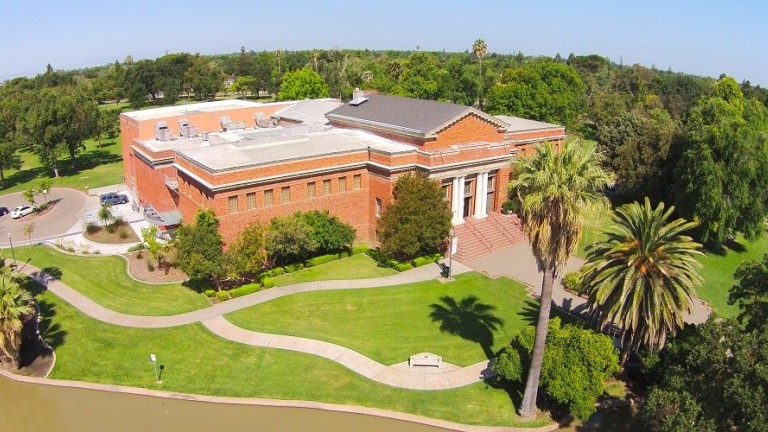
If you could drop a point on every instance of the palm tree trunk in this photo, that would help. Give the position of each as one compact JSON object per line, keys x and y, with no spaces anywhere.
{"x":528,"y":406}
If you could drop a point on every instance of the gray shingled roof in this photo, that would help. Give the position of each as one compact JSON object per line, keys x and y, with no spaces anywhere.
{"x":419,"y":116}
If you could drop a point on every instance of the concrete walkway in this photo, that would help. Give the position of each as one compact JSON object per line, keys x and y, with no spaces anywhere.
{"x":401,"y":375}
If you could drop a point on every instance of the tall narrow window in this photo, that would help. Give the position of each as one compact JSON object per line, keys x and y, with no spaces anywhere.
{"x":311,"y":189}
{"x":232,"y":202}
{"x":342,"y":184}
{"x":285,"y":194}
{"x":250,"y":200}
{"x":326,"y":187}
{"x":356,"y":180}
{"x":268,"y":198}
{"x":378,"y":207}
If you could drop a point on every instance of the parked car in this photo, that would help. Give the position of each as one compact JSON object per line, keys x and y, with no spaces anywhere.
{"x":4,"y":211}
{"x":21,"y":211}
{"x":113,"y":198}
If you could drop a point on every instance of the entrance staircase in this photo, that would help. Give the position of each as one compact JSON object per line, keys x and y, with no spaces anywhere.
{"x":478,"y":237}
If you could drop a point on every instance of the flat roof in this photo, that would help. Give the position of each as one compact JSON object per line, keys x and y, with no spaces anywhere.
{"x":246,"y":148}
{"x":519,"y":124}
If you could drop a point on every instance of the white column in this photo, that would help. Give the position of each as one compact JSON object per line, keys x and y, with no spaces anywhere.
{"x":455,"y":200}
{"x":481,"y":193}
{"x":460,"y":201}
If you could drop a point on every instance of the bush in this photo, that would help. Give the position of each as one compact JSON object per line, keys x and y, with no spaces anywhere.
{"x":426,"y":259}
{"x":150,"y":266}
{"x":358,"y":249}
{"x":290,"y":268}
{"x":322,"y":259}
{"x":139,"y":255}
{"x":222,"y":296}
{"x":401,"y":267}
{"x":138,"y":247}
{"x":509,"y":206}
{"x":267,"y":282}
{"x":244,"y":290}
{"x":92,"y":228}
{"x":123,"y":233}
{"x":209,"y":293}
{"x":572,"y":282}
{"x":277,"y":271}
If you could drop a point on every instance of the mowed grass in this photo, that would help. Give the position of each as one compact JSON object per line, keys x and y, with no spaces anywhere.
{"x":717,"y":271}
{"x":389,"y":324}
{"x":359,"y":266}
{"x":95,"y":167}
{"x":196,"y":361}
{"x":105,"y":281}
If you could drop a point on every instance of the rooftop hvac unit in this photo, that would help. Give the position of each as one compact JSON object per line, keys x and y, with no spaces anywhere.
{"x":183,"y":122}
{"x":227,"y":124}
{"x":188,"y":131}
{"x":261,"y":120}
{"x":162,"y":132}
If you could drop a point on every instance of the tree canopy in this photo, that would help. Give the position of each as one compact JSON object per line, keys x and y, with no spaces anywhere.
{"x":302,"y":84}
{"x":200,"y":252}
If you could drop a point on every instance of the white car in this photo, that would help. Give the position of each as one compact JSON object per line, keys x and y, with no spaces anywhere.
{"x":21,"y":211}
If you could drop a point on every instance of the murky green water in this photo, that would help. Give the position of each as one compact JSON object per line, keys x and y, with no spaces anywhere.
{"x":38,"y":407}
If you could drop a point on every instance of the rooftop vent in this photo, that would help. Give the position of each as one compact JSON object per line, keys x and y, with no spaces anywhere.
{"x":162,"y":132}
{"x":227,"y":124}
{"x":261,"y":120}
{"x":186,"y":130}
{"x":358,"y":97}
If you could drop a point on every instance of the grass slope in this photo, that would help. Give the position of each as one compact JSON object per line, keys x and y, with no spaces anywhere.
{"x":105,"y":281}
{"x":389,"y":324}
{"x":359,"y":266}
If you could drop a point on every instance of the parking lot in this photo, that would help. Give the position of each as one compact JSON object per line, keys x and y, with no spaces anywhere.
{"x":65,"y":215}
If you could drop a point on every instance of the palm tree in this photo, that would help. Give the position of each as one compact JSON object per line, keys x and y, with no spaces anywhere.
{"x":641,"y":278}
{"x":555,"y":189}
{"x":15,"y":302}
{"x":479,"y":48}
{"x":395,"y":69}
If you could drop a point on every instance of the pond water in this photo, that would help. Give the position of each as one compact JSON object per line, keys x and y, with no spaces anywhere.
{"x":40,"y":407}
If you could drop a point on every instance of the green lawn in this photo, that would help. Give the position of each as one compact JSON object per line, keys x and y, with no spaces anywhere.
{"x":389,"y":324}
{"x":105,"y":281}
{"x":717,"y":272}
{"x":198,"y":362}
{"x":96,"y":167}
{"x":359,"y":266}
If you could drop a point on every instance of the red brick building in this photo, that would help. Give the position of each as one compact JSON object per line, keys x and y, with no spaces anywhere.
{"x":253,"y":161}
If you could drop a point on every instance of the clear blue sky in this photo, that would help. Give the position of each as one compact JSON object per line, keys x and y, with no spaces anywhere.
{"x":700,"y":37}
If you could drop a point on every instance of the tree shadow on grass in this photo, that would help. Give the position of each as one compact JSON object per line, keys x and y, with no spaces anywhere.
{"x":468,"y":319}
{"x":52,"y":333}
{"x":85,"y":161}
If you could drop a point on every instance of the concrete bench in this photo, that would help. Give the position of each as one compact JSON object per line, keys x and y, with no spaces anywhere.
{"x":425,"y":359}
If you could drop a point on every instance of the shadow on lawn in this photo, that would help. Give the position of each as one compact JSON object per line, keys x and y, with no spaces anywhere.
{"x":88,"y":160}
{"x":468,"y":319}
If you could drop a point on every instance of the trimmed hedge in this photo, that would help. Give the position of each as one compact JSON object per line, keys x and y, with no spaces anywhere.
{"x":386,"y":261}
{"x":209,"y":293}
{"x":268,"y":282}
{"x":222,"y":296}
{"x":245,"y":290}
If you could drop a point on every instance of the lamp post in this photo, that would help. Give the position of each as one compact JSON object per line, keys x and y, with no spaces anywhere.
{"x":153,"y":358}
{"x":12,"y":251}
{"x":451,"y":251}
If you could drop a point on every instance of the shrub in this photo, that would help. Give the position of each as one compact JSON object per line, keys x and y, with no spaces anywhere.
{"x":244,"y":290}
{"x":358,"y":249}
{"x":277,"y":271}
{"x":222,"y":296}
{"x":510,"y":206}
{"x":401,"y":267}
{"x":322,"y":259}
{"x":123,"y":233}
{"x":111,"y":228}
{"x":92,"y":228}
{"x":139,"y":255}
{"x":267,"y":282}
{"x":426,"y":259}
{"x":150,"y":266}
{"x":573,"y":282}
{"x":138,"y":247}
{"x":209,"y":293}
{"x":290,"y":268}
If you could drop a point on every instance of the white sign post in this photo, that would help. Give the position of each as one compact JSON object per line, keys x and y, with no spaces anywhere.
{"x":153,"y":358}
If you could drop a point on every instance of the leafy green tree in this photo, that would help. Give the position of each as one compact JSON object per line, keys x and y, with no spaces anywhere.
{"x":542,"y":90}
{"x":141,"y":79}
{"x":200,"y":249}
{"x":157,"y":249}
{"x":205,"y":77}
{"x":751,"y":293}
{"x":719,"y":179}
{"x":249,"y":251}
{"x":243,"y":85}
{"x":105,"y":215}
{"x":289,"y":239}
{"x":44,"y":186}
{"x":15,"y":303}
{"x":712,"y":379}
{"x":555,"y":189}
{"x":417,"y":221}
{"x":302,"y":84}
{"x":328,"y":233}
{"x":30,"y":196}
{"x":423,"y":78}
{"x":642,"y":276}
{"x":107,"y":125}
{"x":11,"y":112}
{"x":576,"y":363}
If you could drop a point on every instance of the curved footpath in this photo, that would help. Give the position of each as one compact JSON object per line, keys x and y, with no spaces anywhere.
{"x":401,"y":375}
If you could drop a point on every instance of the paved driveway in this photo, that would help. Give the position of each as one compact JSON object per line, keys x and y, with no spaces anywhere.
{"x":64,"y":217}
